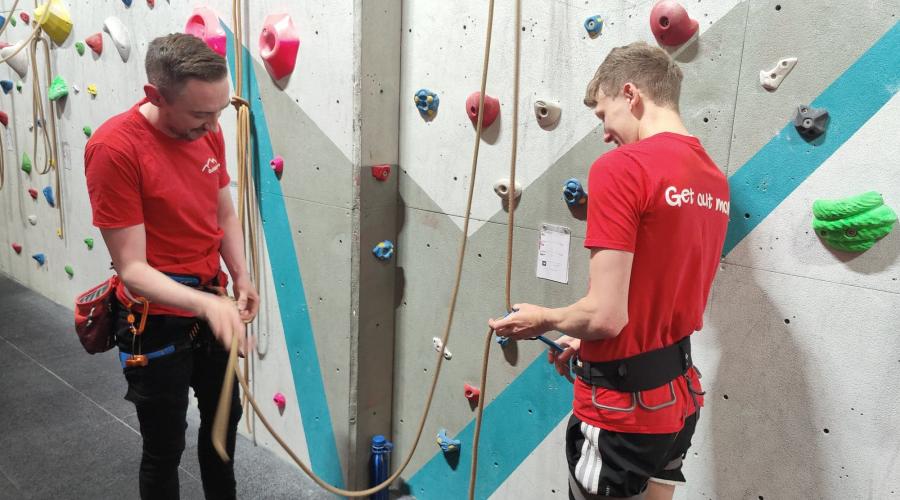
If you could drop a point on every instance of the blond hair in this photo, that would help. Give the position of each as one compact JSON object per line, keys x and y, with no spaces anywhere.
{"x":649,"y":68}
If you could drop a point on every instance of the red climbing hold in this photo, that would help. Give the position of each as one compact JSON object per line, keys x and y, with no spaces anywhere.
{"x":279,"y":400}
{"x":491,"y":109}
{"x":472,"y":393}
{"x":4,"y":119}
{"x":151,"y":3}
{"x":24,"y":17}
{"x":17,"y":247}
{"x":4,"y":45}
{"x":381,"y":172}
{"x":33,"y":192}
{"x":95,"y":42}
{"x":670,"y":23}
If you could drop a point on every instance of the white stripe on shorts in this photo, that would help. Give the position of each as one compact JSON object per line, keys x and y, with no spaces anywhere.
{"x":587,"y":470}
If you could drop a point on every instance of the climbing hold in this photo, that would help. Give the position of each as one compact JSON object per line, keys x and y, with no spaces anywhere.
{"x":278,"y":45}
{"x":59,"y":232}
{"x":810,"y":123}
{"x":18,"y":62}
{"x":48,"y":194}
{"x":573,"y":193}
{"x":19,"y":86}
{"x":32,"y":219}
{"x":76,"y":89}
{"x":2,"y":20}
{"x":439,"y":347}
{"x":127,"y":3}
{"x":472,"y":393}
{"x":92,"y":89}
{"x":204,"y":24}
{"x":503,"y":341}
{"x":119,"y":35}
{"x":24,"y":17}
{"x":89,"y":242}
{"x":7,"y":86}
{"x":69,"y":270}
{"x":277,"y":165}
{"x":279,"y":400}
{"x":95,"y":42}
{"x":491,"y":109}
{"x":670,"y":23}
{"x":40,"y":258}
{"x":58,"y":89}
{"x":4,"y":119}
{"x":55,"y":20}
{"x":381,"y":172}
{"x":12,"y":21}
{"x":427,"y":102}
{"x":547,"y":113}
{"x":770,"y":80}
{"x":33,"y":193}
{"x":594,"y":26}
{"x":17,"y":247}
{"x":79,"y":47}
{"x":151,"y":3}
{"x":853,"y":224}
{"x":501,"y":187}
{"x":26,"y":163}
{"x":87,"y":131}
{"x":384,"y":250}
{"x":447,"y":445}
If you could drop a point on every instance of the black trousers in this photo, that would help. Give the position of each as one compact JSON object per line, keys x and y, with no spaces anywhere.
{"x":159,"y":392}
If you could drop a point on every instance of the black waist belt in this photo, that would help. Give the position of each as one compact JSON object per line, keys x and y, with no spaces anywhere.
{"x":645,"y":371}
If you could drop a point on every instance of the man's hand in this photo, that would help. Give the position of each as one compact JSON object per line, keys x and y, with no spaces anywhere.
{"x":247,"y":299}
{"x":561,"y":359}
{"x":525,"y":322}
{"x":225,"y":321}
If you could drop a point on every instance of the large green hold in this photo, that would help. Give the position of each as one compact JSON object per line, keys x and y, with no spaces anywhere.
{"x":58,"y":89}
{"x":853,"y":224}
{"x":26,"y":163}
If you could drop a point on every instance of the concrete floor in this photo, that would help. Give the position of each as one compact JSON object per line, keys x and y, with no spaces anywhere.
{"x":66,"y":431}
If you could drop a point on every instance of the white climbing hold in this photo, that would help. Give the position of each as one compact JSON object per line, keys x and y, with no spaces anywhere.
{"x":770,"y":80}
{"x":119,"y":35}
{"x":76,"y":88}
{"x":547,"y":113}
{"x":501,"y":187}
{"x":439,"y":347}
{"x":32,"y":219}
{"x":19,"y":62}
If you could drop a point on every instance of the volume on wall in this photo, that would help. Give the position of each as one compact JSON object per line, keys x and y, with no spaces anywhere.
{"x":798,"y":351}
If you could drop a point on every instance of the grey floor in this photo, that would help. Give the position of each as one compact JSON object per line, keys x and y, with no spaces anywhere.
{"x":67,"y":433}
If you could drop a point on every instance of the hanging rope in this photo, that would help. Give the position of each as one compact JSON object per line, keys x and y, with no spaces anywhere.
{"x":222,"y":412}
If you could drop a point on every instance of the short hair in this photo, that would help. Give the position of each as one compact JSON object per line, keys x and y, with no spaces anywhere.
{"x":174,"y":59}
{"x":649,"y":68}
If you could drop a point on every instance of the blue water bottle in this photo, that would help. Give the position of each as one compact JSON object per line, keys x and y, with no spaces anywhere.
{"x":381,"y":465}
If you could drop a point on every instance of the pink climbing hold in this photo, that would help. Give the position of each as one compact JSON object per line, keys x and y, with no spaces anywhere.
{"x":204,"y":24}
{"x":491,"y":109}
{"x":95,"y":42}
{"x":279,"y":400}
{"x":278,"y":45}
{"x":151,"y":3}
{"x":472,"y":393}
{"x":17,"y":247}
{"x":4,"y":119}
{"x":277,"y":164}
{"x":381,"y":172}
{"x":24,"y":17}
{"x":33,"y":192}
{"x":670,"y":23}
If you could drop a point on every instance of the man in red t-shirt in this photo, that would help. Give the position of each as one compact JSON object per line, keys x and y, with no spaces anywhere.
{"x":159,"y":194}
{"x":656,"y":219}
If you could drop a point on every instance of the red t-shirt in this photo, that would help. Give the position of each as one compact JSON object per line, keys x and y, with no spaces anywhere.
{"x":666,"y":201}
{"x":138,"y":175}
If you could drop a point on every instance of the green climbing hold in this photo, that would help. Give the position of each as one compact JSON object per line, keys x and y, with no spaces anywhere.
{"x":853,"y":224}
{"x":87,"y":131}
{"x":19,"y":86}
{"x":89,"y":242}
{"x":58,"y":89}
{"x":70,"y":271}
{"x":79,"y":46}
{"x":26,"y":163}
{"x":12,"y":21}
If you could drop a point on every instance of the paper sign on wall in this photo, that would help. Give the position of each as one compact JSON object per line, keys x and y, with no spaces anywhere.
{"x":553,"y":253}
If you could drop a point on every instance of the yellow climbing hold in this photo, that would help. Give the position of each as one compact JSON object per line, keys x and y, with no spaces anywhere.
{"x":54,"y":17}
{"x":92,"y":89}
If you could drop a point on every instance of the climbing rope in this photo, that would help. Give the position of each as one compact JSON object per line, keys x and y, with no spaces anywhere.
{"x":39,"y":121}
{"x":222,"y":412}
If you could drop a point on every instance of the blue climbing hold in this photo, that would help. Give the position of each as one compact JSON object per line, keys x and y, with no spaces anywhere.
{"x":427,"y":102}
{"x":7,"y":85}
{"x":48,"y":193}
{"x":127,"y":3}
{"x":447,"y":445}
{"x":384,"y":250}
{"x":573,"y":193}
{"x":593,"y":25}
{"x":2,"y":20}
{"x":39,"y":257}
{"x":503,"y":341}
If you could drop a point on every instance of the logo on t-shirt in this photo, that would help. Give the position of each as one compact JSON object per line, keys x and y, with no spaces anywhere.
{"x":676,"y":198}
{"x":211,"y":166}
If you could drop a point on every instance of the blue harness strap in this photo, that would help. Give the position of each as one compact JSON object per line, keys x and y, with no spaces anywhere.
{"x":165,"y":351}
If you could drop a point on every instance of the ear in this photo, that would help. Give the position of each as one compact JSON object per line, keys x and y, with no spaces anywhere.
{"x":154,"y":95}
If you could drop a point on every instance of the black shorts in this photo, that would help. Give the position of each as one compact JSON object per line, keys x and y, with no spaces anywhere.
{"x":618,"y":464}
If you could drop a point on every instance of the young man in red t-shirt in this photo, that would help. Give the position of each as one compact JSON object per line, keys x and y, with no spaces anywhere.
{"x":656,"y":219}
{"x":159,"y":193}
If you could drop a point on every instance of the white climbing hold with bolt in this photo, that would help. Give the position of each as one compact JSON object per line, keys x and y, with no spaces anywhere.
{"x":770,"y":80}
{"x":501,"y":187}
{"x":439,"y":347}
{"x":547,"y":113}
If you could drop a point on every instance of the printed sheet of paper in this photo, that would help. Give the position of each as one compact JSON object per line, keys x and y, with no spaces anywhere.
{"x":553,"y":253}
